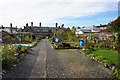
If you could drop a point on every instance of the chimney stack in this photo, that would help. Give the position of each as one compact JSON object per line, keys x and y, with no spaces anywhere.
{"x":16,"y":28}
{"x":59,"y":26}
{"x":10,"y":27}
{"x":24,"y":27}
{"x":26,"y":24}
{"x":31,"y":23}
{"x":56,"y":24}
{"x":62,"y":26}
{"x":2,"y":26}
{"x":40,"y":24}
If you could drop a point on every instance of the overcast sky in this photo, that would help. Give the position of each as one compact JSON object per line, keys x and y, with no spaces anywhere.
{"x":70,"y":12}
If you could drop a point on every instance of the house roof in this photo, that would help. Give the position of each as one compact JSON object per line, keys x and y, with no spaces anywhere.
{"x":4,"y":33}
{"x":19,"y":30}
{"x":102,"y":26}
{"x":35,"y":29}
{"x":44,"y":29}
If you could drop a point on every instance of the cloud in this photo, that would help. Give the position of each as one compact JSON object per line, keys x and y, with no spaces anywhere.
{"x":20,"y":12}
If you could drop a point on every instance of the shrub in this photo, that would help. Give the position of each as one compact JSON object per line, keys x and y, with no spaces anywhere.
{"x":106,"y":61}
{"x":8,"y":56}
{"x":88,"y":44}
{"x":106,"y":64}
{"x":90,"y":50}
{"x":54,"y":45}
{"x":116,"y":74}
{"x":34,"y":43}
{"x":79,"y":47}
{"x":51,"y":42}
{"x":28,"y":39}
{"x":92,"y":55}
{"x":96,"y":46}
{"x":24,"y":49}
{"x":64,"y":45}
{"x":115,"y":45}
{"x":99,"y":58}
{"x":101,"y":45}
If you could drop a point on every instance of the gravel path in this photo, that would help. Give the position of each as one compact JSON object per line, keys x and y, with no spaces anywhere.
{"x":69,"y":64}
{"x":43,"y":62}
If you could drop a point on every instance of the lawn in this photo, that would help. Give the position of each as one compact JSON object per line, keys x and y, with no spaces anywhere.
{"x":111,"y":55}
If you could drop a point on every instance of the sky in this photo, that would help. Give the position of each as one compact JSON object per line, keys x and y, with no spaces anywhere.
{"x":48,"y":12}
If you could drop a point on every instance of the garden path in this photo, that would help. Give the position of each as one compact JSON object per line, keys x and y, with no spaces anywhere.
{"x":43,"y":62}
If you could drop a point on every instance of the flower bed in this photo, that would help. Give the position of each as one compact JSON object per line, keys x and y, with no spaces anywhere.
{"x":64,"y":45}
{"x":11,"y":55}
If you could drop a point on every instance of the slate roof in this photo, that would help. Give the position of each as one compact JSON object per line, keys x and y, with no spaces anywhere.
{"x":44,"y":29}
{"x":35,"y":29}
{"x":19,"y":30}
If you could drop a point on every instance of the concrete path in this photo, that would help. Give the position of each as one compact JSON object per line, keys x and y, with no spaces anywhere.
{"x":46,"y":63}
{"x":39,"y":70}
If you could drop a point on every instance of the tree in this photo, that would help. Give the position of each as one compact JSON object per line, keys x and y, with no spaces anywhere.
{"x":114,"y":26}
{"x":57,"y":34}
{"x":61,"y":35}
{"x":118,"y":38}
{"x":33,"y":36}
{"x":71,"y":34}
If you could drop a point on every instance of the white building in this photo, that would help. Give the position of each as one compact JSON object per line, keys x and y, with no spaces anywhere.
{"x":88,"y":29}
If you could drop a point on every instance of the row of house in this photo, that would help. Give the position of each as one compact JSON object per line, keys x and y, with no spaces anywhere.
{"x":7,"y":31}
{"x":39,"y":31}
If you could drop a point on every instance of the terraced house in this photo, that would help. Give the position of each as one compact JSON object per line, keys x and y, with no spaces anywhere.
{"x":5,"y":31}
{"x":41,"y":31}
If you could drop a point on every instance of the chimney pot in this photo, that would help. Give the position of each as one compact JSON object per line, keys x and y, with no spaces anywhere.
{"x":40,"y":24}
{"x":26,"y":24}
{"x":11,"y":27}
{"x":62,"y":26}
{"x":56,"y":25}
{"x":31,"y":23}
